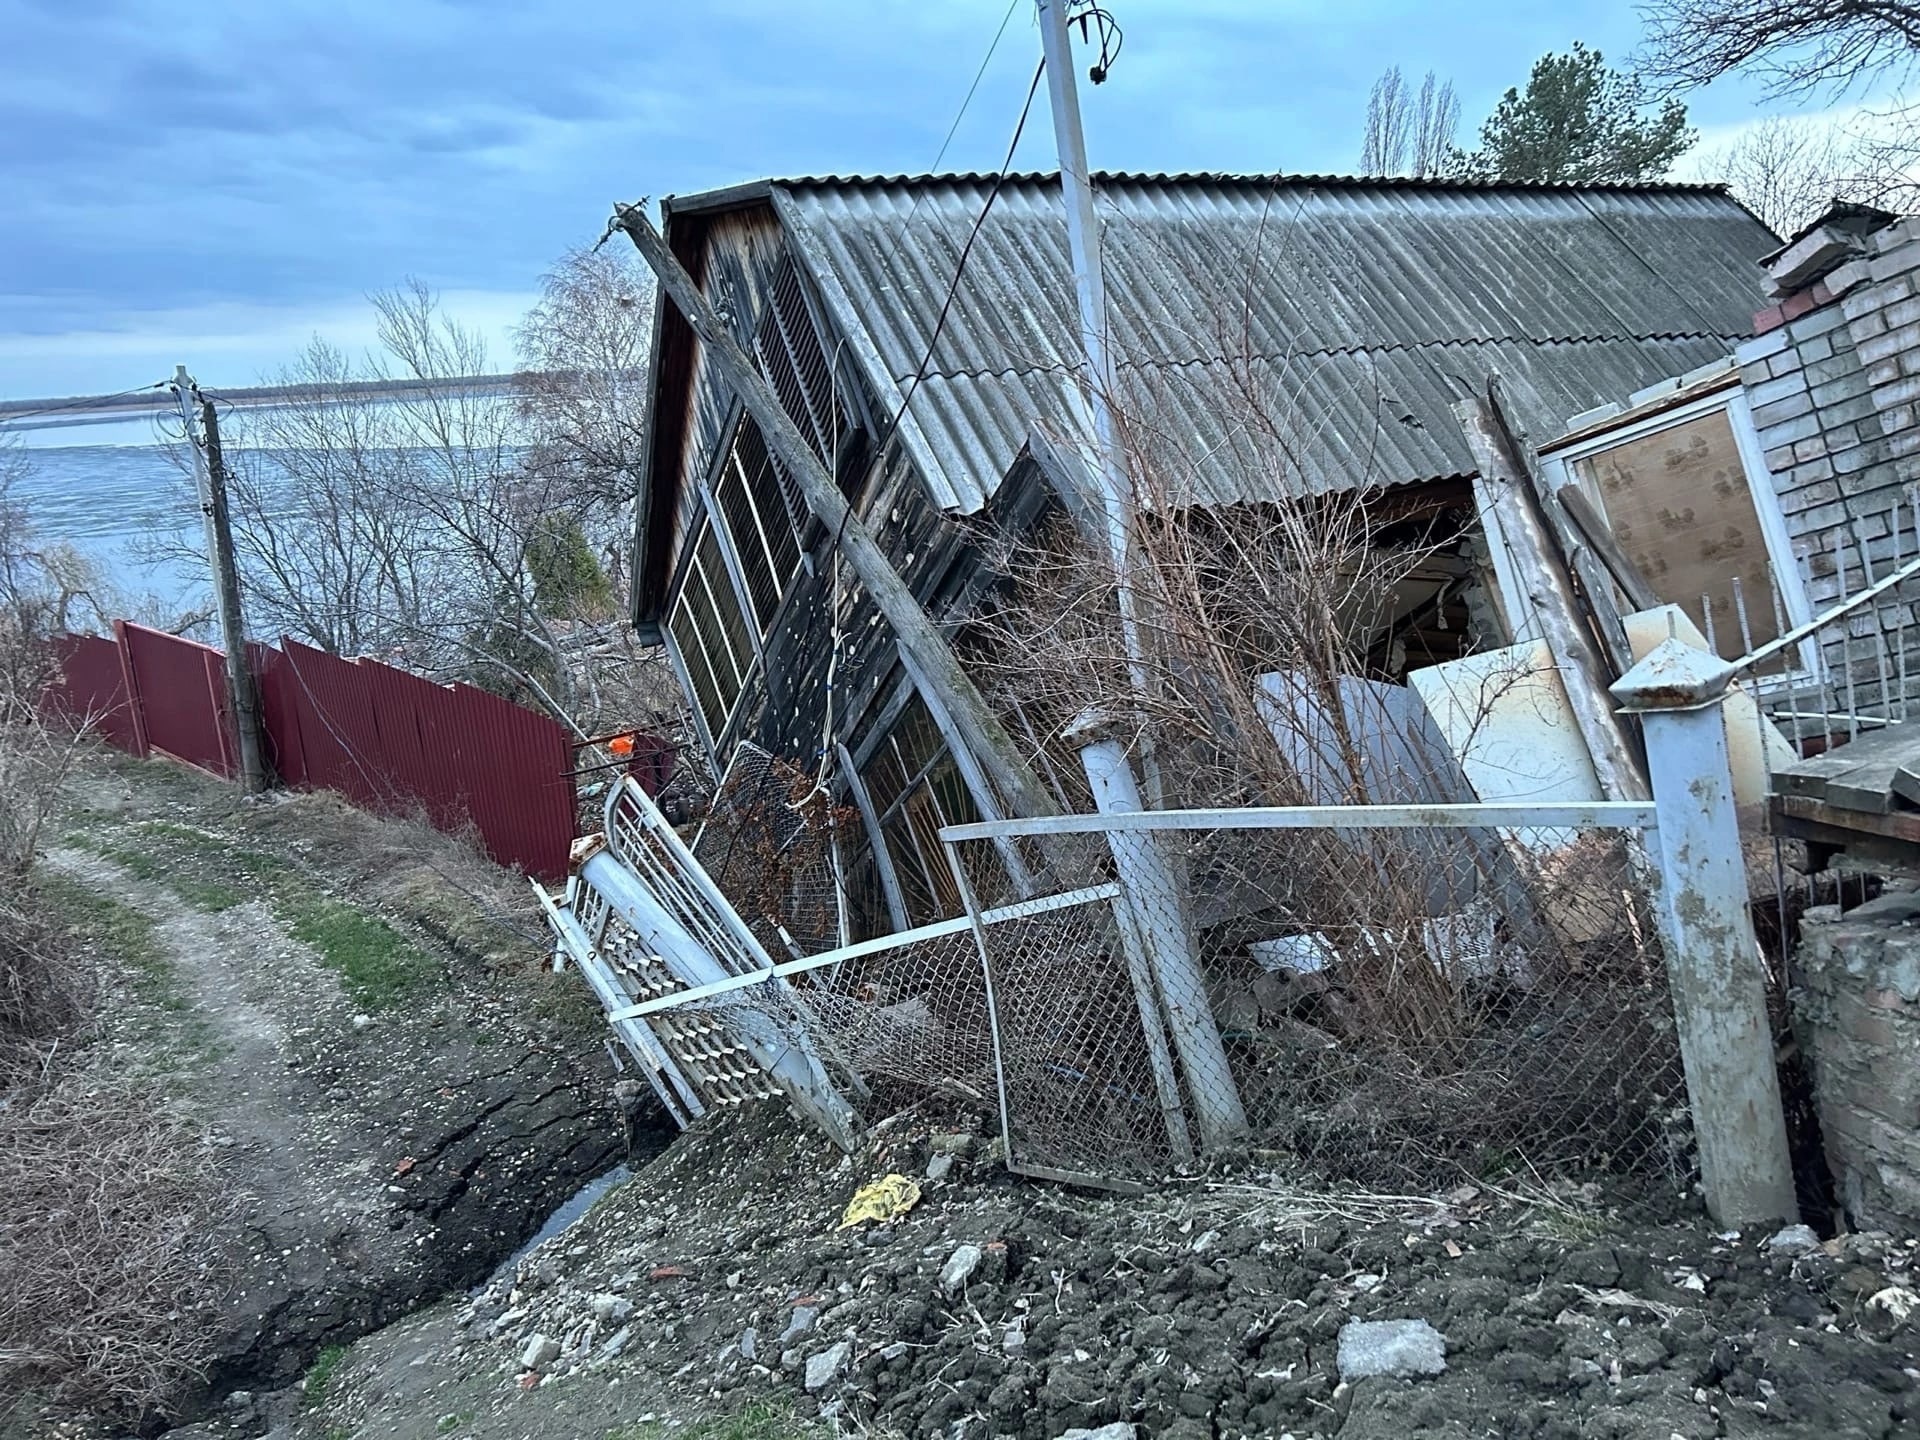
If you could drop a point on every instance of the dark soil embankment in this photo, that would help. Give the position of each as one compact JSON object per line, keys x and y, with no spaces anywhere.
{"x":719,"y":1281}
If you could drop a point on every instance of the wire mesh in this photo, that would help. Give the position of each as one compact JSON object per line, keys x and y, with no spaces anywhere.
{"x":768,"y":843}
{"x":1385,"y":1006}
{"x":914,"y":1013}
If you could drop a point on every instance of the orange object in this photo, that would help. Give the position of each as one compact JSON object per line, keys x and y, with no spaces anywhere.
{"x":621,"y":746}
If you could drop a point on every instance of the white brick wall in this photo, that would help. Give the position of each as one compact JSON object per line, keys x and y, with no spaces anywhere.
{"x":1835,"y":396}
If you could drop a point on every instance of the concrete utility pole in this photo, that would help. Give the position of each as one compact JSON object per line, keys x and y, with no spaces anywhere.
{"x":1713,"y":960}
{"x":1098,"y":385}
{"x":1155,"y":918}
{"x":210,"y":477}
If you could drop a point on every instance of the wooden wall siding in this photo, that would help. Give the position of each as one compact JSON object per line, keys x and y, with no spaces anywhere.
{"x":742,"y":252}
{"x":800,"y":699}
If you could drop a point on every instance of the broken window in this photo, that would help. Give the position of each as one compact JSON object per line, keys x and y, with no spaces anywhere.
{"x":916,"y":789}
{"x":797,"y":365}
{"x":710,"y":631}
{"x":1694,"y":509}
{"x":758,"y":522}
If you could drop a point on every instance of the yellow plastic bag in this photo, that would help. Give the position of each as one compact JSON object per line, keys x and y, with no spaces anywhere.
{"x":887,"y":1198}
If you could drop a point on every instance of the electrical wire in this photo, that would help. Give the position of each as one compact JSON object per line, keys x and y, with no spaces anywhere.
{"x":1098,"y":24}
{"x":78,"y":404}
{"x":974,"y":88}
{"x":960,"y":268}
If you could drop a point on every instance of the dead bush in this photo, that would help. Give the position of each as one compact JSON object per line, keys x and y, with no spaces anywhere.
{"x":1394,"y":1002}
{"x":107,"y":1292}
{"x":46,"y":991}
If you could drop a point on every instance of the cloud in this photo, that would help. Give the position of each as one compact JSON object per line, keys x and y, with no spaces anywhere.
{"x":241,"y":159}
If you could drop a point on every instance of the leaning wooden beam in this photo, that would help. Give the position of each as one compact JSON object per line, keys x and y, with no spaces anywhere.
{"x":1593,"y":533}
{"x":1583,"y":667}
{"x":917,"y":634}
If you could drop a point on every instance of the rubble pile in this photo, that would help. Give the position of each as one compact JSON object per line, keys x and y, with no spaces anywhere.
{"x":988,"y":1306}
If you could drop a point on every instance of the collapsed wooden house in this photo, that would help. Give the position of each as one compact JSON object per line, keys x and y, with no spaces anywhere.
{"x":921,"y":334}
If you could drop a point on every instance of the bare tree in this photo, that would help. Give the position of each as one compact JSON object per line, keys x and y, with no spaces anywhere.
{"x":1787,"y":169}
{"x":1408,"y":133}
{"x":407,"y":530}
{"x":584,"y":346}
{"x":455,"y":531}
{"x":1796,"y":45}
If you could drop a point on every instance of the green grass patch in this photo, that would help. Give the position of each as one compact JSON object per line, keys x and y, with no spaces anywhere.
{"x":325,"y":1368}
{"x":119,"y":932}
{"x":764,"y":1421}
{"x":379,"y":967}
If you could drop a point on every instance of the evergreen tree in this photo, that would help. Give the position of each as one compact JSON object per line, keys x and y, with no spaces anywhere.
{"x":1579,"y":123}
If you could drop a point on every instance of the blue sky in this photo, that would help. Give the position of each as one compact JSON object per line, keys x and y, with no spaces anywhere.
{"x":214,"y":183}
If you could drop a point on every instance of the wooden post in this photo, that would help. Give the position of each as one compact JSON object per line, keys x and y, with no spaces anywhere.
{"x":243,"y":697}
{"x":916,"y":633}
{"x":1584,"y":668}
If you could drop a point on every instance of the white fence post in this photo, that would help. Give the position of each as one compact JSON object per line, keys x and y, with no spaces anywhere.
{"x":1152,"y":896}
{"x":1713,"y":960}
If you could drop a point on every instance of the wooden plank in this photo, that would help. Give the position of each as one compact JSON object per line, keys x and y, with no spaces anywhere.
{"x":1856,"y":767}
{"x":1594,"y":534}
{"x":1906,"y":782}
{"x":1801,"y":817}
{"x":1869,"y":786}
{"x":1500,"y":459}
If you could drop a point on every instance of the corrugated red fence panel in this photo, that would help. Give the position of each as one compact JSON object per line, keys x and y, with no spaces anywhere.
{"x":91,"y":689}
{"x":387,"y":740}
{"x":179,"y":685}
{"x":339,"y":736}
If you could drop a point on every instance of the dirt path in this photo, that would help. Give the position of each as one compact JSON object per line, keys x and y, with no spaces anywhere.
{"x":398,"y":1113}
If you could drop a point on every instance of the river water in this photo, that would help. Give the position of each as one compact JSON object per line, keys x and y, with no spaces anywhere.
{"x":122,"y":507}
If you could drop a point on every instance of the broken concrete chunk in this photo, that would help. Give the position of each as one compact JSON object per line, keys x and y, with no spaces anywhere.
{"x":939,"y":1167}
{"x":1794,"y":1240}
{"x":750,"y":1344}
{"x":954,"y":1144}
{"x":611,"y":1309}
{"x":615,"y":1344}
{"x":1390,"y":1347}
{"x":960,"y":1267}
{"x":803,"y":1320}
{"x":826,"y":1367}
{"x":541,"y":1350}
{"x":1118,"y":1430}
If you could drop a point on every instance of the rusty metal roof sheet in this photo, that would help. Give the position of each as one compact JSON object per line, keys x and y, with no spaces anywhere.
{"x":1358,"y":309}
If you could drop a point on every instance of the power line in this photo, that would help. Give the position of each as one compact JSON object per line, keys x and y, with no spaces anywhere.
{"x":972,"y":89}
{"x":77,"y":404}
{"x":960,"y":269}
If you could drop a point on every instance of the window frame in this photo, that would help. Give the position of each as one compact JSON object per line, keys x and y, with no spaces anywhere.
{"x":1557,"y":471}
{"x":690,"y":569}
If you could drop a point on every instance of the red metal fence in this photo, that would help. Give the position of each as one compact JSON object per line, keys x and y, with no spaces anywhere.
{"x":387,"y":740}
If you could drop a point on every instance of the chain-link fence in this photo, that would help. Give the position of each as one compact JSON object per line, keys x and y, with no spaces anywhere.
{"x":1389,"y":995}
{"x":1384,"y":1005}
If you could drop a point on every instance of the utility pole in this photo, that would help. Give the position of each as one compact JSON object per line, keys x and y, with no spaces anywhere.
{"x":1098,"y":386}
{"x":210,"y":477}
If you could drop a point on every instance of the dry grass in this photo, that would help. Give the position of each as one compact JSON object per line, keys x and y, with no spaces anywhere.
{"x":106,"y":1295}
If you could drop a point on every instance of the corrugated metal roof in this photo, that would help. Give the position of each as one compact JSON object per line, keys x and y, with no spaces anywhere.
{"x":1362,"y":309}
